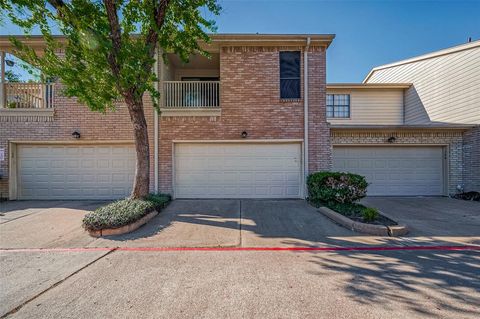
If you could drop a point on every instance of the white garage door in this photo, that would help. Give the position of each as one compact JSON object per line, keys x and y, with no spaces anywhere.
{"x":75,"y":172}
{"x":241,"y":170}
{"x":396,"y":170}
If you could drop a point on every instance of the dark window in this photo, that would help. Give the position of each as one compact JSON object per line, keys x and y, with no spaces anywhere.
{"x":338,"y":105}
{"x":290,"y":75}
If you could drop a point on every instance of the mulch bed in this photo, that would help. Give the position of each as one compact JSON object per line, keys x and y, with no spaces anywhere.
{"x":381,"y":220}
{"x":474,"y":196}
{"x":354,"y":212}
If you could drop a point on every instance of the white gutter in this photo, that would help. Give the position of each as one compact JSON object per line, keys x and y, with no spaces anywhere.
{"x":305,"y":116}
{"x":155,"y":130}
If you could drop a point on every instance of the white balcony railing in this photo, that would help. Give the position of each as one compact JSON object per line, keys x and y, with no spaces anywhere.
{"x":191,"y":94}
{"x":27,"y":95}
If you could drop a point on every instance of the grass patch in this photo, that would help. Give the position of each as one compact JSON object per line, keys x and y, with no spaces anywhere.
{"x":124,"y":212}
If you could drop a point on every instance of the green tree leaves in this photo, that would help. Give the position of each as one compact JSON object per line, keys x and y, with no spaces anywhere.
{"x":107,"y":54}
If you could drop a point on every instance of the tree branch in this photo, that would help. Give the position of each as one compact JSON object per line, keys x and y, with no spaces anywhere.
{"x":115,"y":36}
{"x":152,"y":36}
{"x":60,"y":6}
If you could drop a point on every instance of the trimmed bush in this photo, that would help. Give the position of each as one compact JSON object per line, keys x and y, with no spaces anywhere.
{"x":336,"y":187}
{"x":123,"y":212}
{"x":370,"y":214}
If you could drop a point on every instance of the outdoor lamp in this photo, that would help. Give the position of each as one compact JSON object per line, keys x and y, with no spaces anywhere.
{"x":76,"y":134}
{"x":391,"y":139}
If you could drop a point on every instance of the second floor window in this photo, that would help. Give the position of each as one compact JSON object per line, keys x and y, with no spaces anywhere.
{"x":290,"y":74}
{"x":338,"y":105}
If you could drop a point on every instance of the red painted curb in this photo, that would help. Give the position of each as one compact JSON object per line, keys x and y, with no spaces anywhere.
{"x":161,"y":249}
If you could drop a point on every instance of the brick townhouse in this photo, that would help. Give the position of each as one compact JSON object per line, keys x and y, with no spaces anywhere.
{"x":251,"y":121}
{"x":230,"y":126}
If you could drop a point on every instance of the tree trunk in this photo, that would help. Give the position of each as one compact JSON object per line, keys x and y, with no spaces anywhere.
{"x":141,"y":184}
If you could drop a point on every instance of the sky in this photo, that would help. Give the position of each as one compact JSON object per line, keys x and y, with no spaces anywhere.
{"x":368,"y":33}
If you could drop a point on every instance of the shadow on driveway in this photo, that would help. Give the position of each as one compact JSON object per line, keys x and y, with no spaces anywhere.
{"x":247,"y":223}
{"x":228,"y":223}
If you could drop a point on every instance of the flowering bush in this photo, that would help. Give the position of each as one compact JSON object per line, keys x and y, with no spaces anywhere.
{"x":336,"y":187}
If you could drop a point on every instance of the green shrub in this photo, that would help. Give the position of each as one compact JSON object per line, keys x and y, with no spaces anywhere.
{"x":336,"y":187}
{"x":346,"y":209}
{"x":369,"y":214}
{"x":123,"y":212}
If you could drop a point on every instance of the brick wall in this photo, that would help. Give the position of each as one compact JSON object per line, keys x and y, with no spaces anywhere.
{"x":69,"y":116}
{"x":471,"y":160}
{"x":320,"y":149}
{"x":453,"y":139}
{"x":250,"y":101}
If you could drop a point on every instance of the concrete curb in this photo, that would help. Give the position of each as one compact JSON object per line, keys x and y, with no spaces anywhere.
{"x":124,"y":229}
{"x":377,"y":230}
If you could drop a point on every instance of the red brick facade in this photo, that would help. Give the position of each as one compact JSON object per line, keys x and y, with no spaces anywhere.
{"x":69,"y":116}
{"x":249,"y":100}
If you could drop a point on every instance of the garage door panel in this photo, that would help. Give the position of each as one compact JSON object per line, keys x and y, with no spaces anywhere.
{"x":72,"y":164}
{"x":237,"y":170}
{"x":395,"y":170}
{"x":75,"y":172}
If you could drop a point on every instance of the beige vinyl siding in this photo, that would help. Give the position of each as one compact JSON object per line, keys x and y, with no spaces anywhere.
{"x":372,"y":106}
{"x":445,"y":88}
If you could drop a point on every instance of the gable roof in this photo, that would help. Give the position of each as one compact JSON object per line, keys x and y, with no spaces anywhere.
{"x":458,"y":48}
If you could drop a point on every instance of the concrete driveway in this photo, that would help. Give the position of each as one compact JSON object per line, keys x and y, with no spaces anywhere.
{"x":433,"y":218}
{"x":184,"y":223}
{"x":231,"y":223}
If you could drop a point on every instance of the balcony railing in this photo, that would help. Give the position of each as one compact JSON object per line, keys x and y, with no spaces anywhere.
{"x":27,"y":95}
{"x":191,"y":94}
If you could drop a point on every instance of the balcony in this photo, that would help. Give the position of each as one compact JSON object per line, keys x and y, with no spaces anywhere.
{"x":22,"y":98}
{"x":27,"y":96}
{"x":26,"y":101}
{"x":191,"y":94}
{"x":192,"y":88}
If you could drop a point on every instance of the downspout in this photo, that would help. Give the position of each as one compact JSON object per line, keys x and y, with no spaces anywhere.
{"x":305,"y":116}
{"x":3,"y":104}
{"x":155,"y":128}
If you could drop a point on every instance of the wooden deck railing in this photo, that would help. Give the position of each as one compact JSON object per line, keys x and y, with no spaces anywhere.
{"x":27,"y":95}
{"x":191,"y":94}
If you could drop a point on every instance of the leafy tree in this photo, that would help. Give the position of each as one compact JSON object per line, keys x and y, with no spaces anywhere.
{"x":11,"y":76}
{"x":109,"y":51}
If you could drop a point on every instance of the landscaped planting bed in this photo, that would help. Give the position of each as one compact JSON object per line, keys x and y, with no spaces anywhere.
{"x":123,"y":212}
{"x":359,"y":213}
{"x":340,"y":192}
{"x":474,"y":196}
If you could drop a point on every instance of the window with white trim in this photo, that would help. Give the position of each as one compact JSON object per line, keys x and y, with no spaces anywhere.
{"x":338,"y":105}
